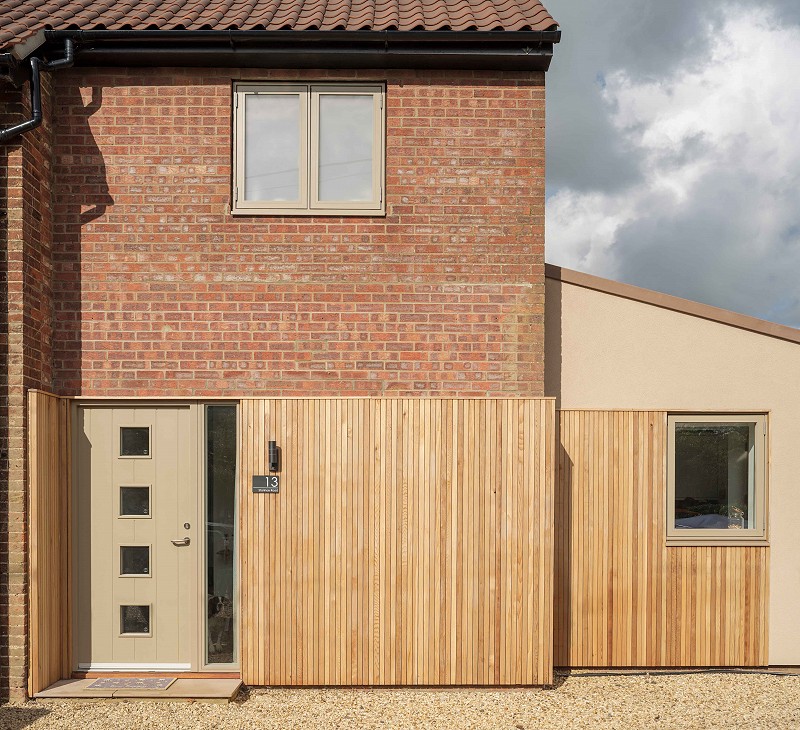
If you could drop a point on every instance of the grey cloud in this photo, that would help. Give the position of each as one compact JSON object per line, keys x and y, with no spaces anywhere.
{"x":714,"y":251}
{"x":788,"y":11}
{"x":707,"y":249}
{"x":642,"y":37}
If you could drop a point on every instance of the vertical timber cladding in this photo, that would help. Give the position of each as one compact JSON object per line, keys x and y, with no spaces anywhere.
{"x":410,"y":542}
{"x":622,"y":597}
{"x":50,"y":476}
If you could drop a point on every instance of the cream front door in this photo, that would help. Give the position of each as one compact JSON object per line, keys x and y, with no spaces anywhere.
{"x":136,"y":538}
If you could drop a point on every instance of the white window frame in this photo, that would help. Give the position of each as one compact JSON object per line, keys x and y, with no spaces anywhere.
{"x":309,"y":203}
{"x":757,"y":511}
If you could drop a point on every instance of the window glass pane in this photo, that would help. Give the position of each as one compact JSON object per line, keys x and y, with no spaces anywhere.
{"x":134,"y":501}
{"x":134,"y":619}
{"x":220,"y":521}
{"x":134,"y":560}
{"x":714,"y":476}
{"x":272,"y":147}
{"x":134,"y":441}
{"x":345,"y":147}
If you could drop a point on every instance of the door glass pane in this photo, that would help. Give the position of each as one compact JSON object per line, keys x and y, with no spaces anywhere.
{"x":134,"y":501}
{"x":220,"y":522}
{"x":134,"y":560}
{"x":272,"y":147}
{"x":345,"y":147}
{"x":134,"y":441}
{"x":714,"y":475}
{"x":134,"y":619}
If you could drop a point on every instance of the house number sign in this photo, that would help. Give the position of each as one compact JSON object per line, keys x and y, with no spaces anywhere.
{"x":268,"y":484}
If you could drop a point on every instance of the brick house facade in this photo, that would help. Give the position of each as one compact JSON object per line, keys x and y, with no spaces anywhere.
{"x":126,"y":275}
{"x":324,"y":449}
{"x":159,"y":290}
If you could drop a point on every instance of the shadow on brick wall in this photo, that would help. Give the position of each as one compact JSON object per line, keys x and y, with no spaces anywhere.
{"x":81,"y":196}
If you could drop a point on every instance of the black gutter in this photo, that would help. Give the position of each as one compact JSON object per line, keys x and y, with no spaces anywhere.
{"x":36,"y":66}
{"x":509,"y":50}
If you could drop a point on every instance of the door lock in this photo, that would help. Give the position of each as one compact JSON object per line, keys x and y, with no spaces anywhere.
{"x":179,"y":543}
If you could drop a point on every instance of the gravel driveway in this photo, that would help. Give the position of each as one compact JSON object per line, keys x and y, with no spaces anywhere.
{"x":752,"y":701}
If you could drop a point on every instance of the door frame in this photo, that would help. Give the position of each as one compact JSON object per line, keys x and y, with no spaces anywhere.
{"x":197,"y":408}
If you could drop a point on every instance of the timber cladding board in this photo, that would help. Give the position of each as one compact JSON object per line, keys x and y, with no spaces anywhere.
{"x":49,"y":464}
{"x":622,"y":597}
{"x":411,"y":542}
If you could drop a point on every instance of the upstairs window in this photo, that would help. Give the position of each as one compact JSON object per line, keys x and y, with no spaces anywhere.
{"x":302,"y":149}
{"x":717,"y":479}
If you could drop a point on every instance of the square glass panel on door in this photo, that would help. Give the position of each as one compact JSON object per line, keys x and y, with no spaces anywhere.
{"x":134,"y":441}
{"x":134,"y":560}
{"x":134,"y":501}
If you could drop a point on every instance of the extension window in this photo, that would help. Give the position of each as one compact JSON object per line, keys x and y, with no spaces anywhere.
{"x":716,"y":488}
{"x":308,"y":149}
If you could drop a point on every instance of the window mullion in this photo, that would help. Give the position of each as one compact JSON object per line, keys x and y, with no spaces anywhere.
{"x":313,"y":147}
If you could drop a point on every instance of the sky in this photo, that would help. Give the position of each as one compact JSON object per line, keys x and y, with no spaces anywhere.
{"x":673,"y":150}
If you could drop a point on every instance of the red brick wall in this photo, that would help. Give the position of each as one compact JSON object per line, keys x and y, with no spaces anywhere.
{"x":26,"y":335}
{"x":160,"y":291}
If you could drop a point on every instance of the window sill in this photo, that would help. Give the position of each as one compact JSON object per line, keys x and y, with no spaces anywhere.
{"x":715,"y":541}
{"x":308,"y":213}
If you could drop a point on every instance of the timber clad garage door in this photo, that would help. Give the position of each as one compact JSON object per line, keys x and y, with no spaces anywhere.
{"x":136,"y":538}
{"x":410,"y":542}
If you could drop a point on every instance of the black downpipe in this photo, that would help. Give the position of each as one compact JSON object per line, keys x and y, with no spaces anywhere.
{"x":37,"y":65}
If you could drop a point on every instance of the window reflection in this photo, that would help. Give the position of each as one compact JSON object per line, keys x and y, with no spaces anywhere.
{"x":220,"y":531}
{"x":134,"y":619}
{"x":134,"y":501}
{"x":345,"y":147}
{"x":134,"y":560}
{"x":714,"y":480}
{"x":272,"y":147}
{"x":134,"y":441}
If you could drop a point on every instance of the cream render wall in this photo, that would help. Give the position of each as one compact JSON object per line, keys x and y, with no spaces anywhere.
{"x":604,"y":351}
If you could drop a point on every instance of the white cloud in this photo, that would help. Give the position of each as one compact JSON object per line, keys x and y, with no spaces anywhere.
{"x":715,"y":213}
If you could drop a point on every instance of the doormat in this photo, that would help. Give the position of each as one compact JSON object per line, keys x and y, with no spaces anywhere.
{"x":151,"y":683}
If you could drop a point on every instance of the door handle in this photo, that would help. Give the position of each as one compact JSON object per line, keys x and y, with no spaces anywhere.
{"x":179,"y":543}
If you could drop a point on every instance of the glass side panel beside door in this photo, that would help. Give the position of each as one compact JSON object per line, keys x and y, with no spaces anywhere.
{"x":220,"y":534}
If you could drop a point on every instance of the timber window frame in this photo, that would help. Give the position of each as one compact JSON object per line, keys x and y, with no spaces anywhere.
{"x":311,"y":132}
{"x":756,"y":531}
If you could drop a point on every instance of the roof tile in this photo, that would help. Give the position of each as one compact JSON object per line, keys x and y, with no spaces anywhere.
{"x":20,"y":19}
